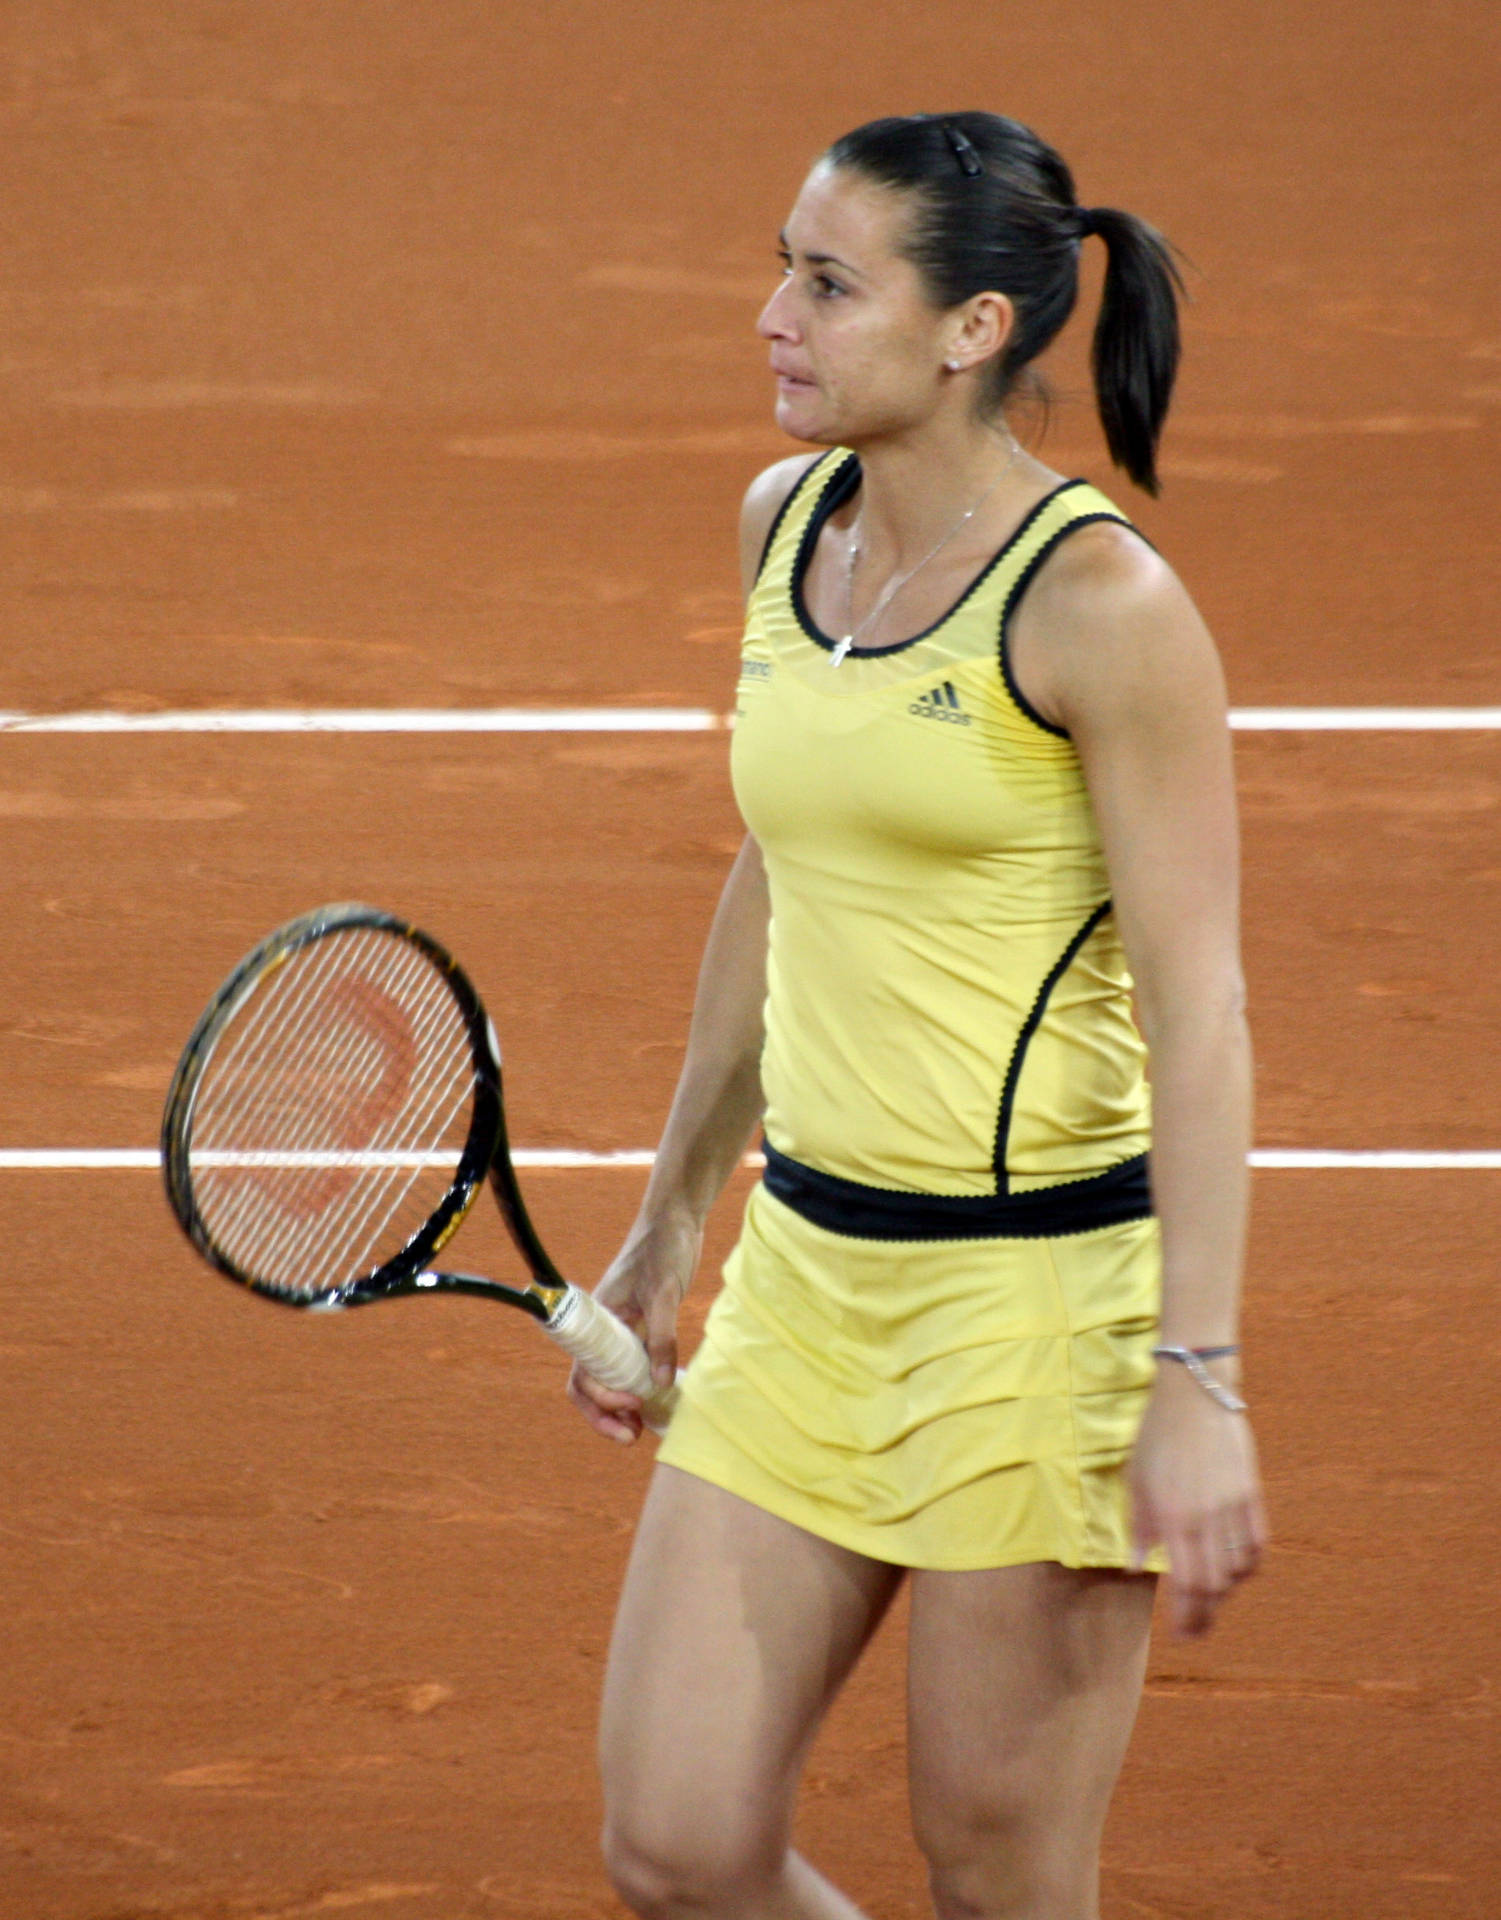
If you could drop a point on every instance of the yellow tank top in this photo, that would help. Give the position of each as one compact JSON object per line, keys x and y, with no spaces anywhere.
{"x":948,"y":1005}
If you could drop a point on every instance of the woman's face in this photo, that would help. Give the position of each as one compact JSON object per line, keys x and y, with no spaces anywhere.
{"x":857,"y":349}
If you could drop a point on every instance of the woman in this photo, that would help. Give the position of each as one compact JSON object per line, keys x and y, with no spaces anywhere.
{"x":983,"y":758}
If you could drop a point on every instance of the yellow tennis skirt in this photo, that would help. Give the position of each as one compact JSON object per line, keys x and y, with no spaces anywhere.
{"x":952,"y":1404}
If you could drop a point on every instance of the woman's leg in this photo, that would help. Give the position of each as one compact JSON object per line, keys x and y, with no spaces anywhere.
{"x":735,"y":1631}
{"x":1023,"y":1684}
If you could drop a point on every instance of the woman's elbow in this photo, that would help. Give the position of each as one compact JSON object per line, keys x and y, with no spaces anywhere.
{"x":1199,"y":1012}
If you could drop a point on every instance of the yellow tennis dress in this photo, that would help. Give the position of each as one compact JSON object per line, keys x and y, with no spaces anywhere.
{"x":933,"y":1340}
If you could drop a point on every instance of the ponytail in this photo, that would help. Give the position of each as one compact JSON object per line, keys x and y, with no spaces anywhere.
{"x":995,"y":210}
{"x":1136,"y":341}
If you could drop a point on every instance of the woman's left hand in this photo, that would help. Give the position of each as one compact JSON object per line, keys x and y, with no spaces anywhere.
{"x":1196,"y":1491}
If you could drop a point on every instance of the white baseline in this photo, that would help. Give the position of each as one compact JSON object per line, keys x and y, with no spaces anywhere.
{"x":118,"y":1159}
{"x":655,"y":720}
{"x":377,"y":720}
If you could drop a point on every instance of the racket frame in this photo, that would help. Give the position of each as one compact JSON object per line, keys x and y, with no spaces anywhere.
{"x":485,"y":1154}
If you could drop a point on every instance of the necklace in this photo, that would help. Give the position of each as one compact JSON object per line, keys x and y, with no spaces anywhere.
{"x":892,"y":588}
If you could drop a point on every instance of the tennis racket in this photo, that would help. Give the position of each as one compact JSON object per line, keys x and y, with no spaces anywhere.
{"x":335,"y":1112}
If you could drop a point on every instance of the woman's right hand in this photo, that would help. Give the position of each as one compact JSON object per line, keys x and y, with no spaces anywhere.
{"x":644,"y":1285}
{"x":716,"y":1105}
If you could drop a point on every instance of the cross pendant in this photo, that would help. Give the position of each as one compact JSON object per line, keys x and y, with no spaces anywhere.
{"x":842,"y":649}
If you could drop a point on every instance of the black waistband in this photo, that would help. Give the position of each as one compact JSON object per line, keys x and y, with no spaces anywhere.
{"x":1106,"y":1199}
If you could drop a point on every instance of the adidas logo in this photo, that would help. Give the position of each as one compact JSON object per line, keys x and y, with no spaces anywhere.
{"x":941,"y":704}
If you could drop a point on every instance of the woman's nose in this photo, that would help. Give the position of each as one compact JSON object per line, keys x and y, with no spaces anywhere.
{"x":775,"y":322}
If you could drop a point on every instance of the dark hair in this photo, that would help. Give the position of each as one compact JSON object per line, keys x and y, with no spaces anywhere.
{"x":996,"y":211}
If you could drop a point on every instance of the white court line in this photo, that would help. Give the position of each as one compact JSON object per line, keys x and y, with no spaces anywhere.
{"x":1394,"y":1158}
{"x":378,"y":720}
{"x":657,"y":720}
{"x":134,"y":1159}
{"x":114,"y":1159}
{"x":1365,"y":719}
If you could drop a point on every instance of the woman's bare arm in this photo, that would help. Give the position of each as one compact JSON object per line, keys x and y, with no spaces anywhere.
{"x":1113,"y":650}
{"x":718,"y":1098}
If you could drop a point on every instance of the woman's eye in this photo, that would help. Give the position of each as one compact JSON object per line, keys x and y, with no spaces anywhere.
{"x":823,"y":287}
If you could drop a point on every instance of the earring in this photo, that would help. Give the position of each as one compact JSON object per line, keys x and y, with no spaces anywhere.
{"x":952,"y":365}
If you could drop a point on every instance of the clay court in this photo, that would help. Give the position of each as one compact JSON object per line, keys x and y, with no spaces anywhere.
{"x":359,"y":356}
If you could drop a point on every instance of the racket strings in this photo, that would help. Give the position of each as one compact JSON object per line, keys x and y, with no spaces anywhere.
{"x":279,"y":996}
{"x":318,"y":1131}
{"x":334,"y":1106}
{"x":326,"y":1247}
{"x":285,"y":1069}
{"x":337,"y":1258}
{"x":318,"y":1228}
{"x":258,"y":1104}
{"x":276,"y":1031}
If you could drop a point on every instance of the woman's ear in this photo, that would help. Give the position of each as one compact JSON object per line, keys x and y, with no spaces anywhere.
{"x":982,"y":327}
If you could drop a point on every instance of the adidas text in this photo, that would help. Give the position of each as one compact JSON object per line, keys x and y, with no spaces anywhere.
{"x":941,"y":704}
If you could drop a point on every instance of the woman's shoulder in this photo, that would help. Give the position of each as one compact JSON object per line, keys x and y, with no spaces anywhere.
{"x":764,"y":500}
{"x":1108,"y":626}
{"x":1103,"y":566}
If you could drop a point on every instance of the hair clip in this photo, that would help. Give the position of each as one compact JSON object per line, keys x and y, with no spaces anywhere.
{"x":964,"y":151}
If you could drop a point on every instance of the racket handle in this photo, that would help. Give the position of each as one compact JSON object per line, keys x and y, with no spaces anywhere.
{"x":605,"y":1346}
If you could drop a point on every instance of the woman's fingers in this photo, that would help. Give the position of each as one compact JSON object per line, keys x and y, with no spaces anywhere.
{"x":1207,"y":1560}
{"x":609,"y":1410}
{"x":615,"y":1414}
{"x":1198,"y":1580}
{"x":644,"y":1297}
{"x":1245,"y":1542}
{"x":1195,"y":1491}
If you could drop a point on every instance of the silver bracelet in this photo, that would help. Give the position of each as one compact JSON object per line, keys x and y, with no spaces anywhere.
{"x":1193,"y":1359}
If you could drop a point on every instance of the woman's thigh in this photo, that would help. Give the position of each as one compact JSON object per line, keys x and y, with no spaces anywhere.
{"x":734,"y":1632}
{"x":1023,"y":1687}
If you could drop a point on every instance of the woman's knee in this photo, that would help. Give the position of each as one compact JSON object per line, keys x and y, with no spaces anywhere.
{"x":1011,"y":1860}
{"x":699,"y":1863}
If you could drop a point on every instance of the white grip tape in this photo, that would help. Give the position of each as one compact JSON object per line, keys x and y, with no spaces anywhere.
{"x":606,"y":1347}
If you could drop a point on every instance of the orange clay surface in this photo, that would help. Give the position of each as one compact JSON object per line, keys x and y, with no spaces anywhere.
{"x":357,"y":354}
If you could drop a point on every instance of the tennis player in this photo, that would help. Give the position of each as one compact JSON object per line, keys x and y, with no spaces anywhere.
{"x":964,"y":1340}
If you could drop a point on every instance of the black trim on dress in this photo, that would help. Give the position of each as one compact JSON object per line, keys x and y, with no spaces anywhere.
{"x":1019,"y":586}
{"x":1013,"y":600}
{"x":1029,"y":1026}
{"x":842,"y":484}
{"x":1108,"y":1199}
{"x":782,"y":511}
